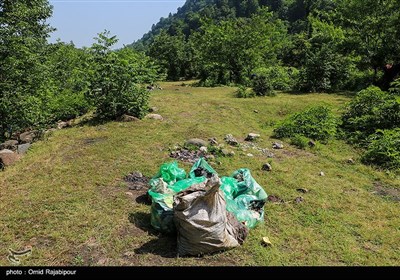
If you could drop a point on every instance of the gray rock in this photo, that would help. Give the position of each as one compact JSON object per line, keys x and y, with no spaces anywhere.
{"x":154,"y":117}
{"x":196,"y":142}
{"x":252,"y":136}
{"x":267,"y":153}
{"x":10,"y":144}
{"x":128,"y":118}
{"x":23,"y":148}
{"x":8,"y":158}
{"x":28,"y":137}
{"x":277,"y":145}
{"x":298,"y":199}
{"x":6,"y":151}
{"x":266,"y":167}
{"x":61,"y":125}
{"x":153,"y":109}
{"x":231,"y":140}
{"x":255,"y":111}
{"x":203,"y":149}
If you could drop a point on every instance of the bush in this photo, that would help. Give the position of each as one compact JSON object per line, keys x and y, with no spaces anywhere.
{"x":383,"y":149}
{"x":370,"y":110}
{"x":317,"y":123}
{"x":262,"y":86}
{"x":281,"y":77}
{"x":244,"y":92}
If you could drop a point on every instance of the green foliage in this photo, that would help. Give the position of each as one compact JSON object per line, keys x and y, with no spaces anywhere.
{"x":113,"y":81}
{"x":383,"y":149}
{"x":262,"y":86}
{"x":229,"y":50}
{"x":299,"y":141}
{"x":23,"y":33}
{"x":370,"y":110}
{"x":317,"y":123}
{"x":244,"y":92}
{"x":67,"y":82}
{"x":281,"y":77}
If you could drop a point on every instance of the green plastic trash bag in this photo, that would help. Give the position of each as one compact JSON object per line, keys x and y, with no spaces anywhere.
{"x":170,"y":172}
{"x":247,"y":185}
{"x":201,"y":168}
{"x":229,"y":187}
{"x":186,"y":183}
{"x":162,"y":214}
{"x":245,"y":198}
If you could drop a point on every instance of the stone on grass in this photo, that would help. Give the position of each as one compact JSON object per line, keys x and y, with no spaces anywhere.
{"x":10,"y":145}
{"x":154,"y":117}
{"x":28,"y":137}
{"x":8,"y":157}
{"x":203,"y":149}
{"x":266,"y":167}
{"x":128,"y":118}
{"x":23,"y":148}
{"x":277,"y":145}
{"x":252,"y":136}
{"x":231,"y":140}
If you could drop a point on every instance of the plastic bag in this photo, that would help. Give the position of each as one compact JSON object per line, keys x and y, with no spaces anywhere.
{"x":203,"y":223}
{"x":245,"y":198}
{"x":201,"y":168}
{"x":170,"y":173}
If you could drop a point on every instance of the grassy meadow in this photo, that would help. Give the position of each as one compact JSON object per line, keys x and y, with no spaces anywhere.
{"x":67,"y":199}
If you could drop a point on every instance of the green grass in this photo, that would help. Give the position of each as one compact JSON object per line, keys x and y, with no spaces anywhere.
{"x":67,"y":200}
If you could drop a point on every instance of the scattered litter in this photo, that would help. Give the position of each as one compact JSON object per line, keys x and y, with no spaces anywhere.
{"x":303,"y":190}
{"x":321,"y":173}
{"x":350,"y":161}
{"x":250,"y":155}
{"x":266,"y":241}
{"x":186,"y":155}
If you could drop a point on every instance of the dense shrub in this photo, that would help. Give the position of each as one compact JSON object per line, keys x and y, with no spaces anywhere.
{"x":383,"y":149}
{"x":281,"y":77}
{"x":244,"y":92}
{"x":370,"y":110}
{"x":262,"y":86}
{"x":317,"y":123}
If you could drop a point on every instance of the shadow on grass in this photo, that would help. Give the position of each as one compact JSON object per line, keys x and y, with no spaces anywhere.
{"x":143,"y":199}
{"x":163,"y":245}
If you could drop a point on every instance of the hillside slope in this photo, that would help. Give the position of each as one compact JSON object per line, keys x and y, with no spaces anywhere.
{"x":67,"y":200}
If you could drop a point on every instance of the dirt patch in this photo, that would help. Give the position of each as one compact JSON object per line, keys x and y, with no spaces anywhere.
{"x":136,"y":181}
{"x":388,"y":192}
{"x":187,"y":155}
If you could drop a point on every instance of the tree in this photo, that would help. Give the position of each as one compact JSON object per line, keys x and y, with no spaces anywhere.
{"x":228,"y":51}
{"x":23,"y":34}
{"x":113,"y":81}
{"x":372,"y":29}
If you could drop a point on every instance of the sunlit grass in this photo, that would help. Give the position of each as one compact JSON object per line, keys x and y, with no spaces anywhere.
{"x":65,"y":198}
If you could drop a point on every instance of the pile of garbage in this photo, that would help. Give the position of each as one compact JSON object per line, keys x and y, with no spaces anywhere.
{"x":207,"y":212}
